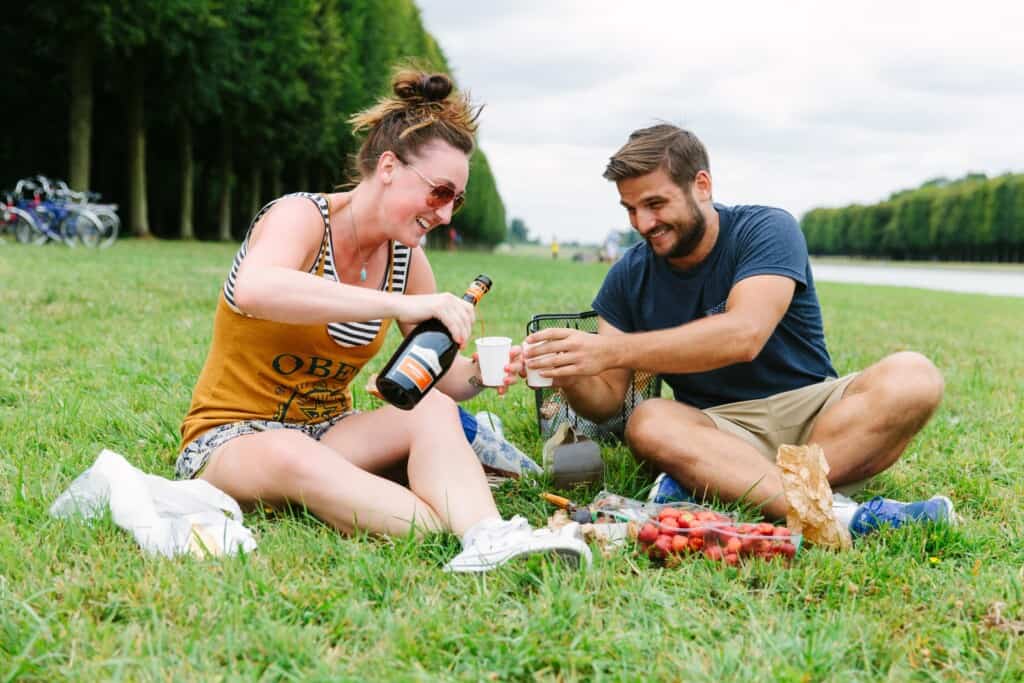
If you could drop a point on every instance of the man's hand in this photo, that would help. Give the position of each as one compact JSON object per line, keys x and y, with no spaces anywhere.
{"x":568,"y":354}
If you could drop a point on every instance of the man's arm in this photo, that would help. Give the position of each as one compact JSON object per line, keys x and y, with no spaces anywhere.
{"x":753,"y":310}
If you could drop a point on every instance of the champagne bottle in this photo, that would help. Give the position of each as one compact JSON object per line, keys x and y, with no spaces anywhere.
{"x":424,"y":356}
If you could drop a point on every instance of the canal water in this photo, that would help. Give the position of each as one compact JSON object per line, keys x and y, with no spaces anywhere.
{"x":951,"y":279}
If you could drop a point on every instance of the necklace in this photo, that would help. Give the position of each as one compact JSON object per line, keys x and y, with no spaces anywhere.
{"x":355,"y":236}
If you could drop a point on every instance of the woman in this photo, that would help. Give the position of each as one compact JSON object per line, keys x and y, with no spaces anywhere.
{"x":308,"y":302}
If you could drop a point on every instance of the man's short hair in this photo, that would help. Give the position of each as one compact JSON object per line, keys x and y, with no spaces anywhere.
{"x":672,"y":148}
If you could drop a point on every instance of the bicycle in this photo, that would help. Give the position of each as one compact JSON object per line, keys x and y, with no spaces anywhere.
{"x":110,"y":222}
{"x":54,"y":219}
{"x":16,"y":222}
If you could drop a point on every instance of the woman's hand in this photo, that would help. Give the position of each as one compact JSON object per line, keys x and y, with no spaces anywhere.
{"x":513,"y":370}
{"x":455,"y":313}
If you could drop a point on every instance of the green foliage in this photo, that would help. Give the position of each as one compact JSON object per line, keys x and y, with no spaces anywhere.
{"x":518,"y":233}
{"x":277,"y":80}
{"x":974,"y":218}
{"x":482,"y":221}
{"x":79,"y":601}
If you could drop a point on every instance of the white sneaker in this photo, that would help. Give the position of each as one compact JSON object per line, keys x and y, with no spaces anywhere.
{"x":495,"y":543}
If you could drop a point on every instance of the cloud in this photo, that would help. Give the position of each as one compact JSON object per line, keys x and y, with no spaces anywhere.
{"x":800,"y":104}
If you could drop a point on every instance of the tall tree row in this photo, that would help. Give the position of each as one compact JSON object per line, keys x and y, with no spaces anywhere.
{"x":974,"y":218}
{"x":191,"y":114}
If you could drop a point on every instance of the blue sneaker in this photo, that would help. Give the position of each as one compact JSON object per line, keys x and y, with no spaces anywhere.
{"x":667,"y":490}
{"x":879,"y":512}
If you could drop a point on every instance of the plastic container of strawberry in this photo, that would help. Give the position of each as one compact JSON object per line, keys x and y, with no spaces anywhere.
{"x":680,"y":531}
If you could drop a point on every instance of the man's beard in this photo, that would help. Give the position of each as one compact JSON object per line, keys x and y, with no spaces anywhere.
{"x":688,"y":239}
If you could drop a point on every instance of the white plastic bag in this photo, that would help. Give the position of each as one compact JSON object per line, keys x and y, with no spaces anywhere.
{"x":165,"y":517}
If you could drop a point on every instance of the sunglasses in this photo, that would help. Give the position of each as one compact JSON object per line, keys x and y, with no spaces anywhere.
{"x":440,"y":195}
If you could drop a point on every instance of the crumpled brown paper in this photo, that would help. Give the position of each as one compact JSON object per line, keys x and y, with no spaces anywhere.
{"x":805,"y":483}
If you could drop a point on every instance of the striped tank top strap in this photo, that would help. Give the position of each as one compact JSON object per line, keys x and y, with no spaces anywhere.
{"x":401,"y":256}
{"x":325,"y":259}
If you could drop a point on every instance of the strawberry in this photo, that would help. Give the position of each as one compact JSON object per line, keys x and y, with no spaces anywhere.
{"x":647,"y":534}
{"x":662,"y":546}
{"x":680,"y":543}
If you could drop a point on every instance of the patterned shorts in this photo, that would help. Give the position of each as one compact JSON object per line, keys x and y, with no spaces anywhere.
{"x":196,"y":454}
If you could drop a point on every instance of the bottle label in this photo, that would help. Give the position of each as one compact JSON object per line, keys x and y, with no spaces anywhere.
{"x":413,"y":369}
{"x":428,"y":357}
{"x":476,"y":291}
{"x":420,"y":365}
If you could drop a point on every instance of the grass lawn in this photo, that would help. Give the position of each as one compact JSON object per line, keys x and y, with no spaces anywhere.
{"x":101,"y":350}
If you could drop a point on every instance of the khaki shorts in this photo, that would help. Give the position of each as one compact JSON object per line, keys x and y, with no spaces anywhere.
{"x":786,"y":418}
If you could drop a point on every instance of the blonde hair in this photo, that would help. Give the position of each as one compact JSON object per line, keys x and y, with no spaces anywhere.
{"x":425,"y":107}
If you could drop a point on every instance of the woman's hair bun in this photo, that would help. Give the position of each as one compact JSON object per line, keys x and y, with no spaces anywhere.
{"x":425,"y":107}
{"x":409,"y":85}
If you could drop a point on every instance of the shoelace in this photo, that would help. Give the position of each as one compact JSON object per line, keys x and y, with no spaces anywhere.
{"x":874,"y":506}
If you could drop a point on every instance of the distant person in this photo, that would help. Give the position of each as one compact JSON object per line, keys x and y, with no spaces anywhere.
{"x":453,"y":238}
{"x":308,"y":302}
{"x":611,"y":248}
{"x":554,"y":249}
{"x":719,"y":300}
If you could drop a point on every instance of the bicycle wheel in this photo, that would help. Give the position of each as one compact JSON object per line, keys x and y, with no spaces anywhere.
{"x":25,"y":230}
{"x":110,"y":226}
{"x":80,"y":226}
{"x":45,"y":223}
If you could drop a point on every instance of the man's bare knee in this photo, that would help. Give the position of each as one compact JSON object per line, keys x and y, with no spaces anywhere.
{"x":906,"y":385}
{"x":654,"y":428}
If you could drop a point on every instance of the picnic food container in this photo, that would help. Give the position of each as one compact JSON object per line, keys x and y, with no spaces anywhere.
{"x":680,"y":530}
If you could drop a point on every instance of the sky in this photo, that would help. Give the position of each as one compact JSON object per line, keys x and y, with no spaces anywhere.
{"x":800,"y":104}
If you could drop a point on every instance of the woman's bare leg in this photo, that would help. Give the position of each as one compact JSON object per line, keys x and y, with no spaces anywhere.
{"x":285,"y":466}
{"x":335,"y":478}
{"x":443,"y":470}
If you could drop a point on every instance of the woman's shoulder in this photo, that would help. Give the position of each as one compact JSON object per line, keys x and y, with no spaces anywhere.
{"x":291,"y":217}
{"x":420,"y":276}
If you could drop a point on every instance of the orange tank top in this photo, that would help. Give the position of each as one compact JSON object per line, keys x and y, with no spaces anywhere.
{"x":265,"y":370}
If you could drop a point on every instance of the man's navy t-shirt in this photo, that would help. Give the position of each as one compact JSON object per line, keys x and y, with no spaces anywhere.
{"x":642,"y":292}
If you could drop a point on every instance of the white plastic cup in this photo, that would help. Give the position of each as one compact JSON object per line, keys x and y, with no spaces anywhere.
{"x":494,"y":354}
{"x":534,"y":379}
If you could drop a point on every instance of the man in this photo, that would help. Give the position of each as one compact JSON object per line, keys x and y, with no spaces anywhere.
{"x":721,"y":303}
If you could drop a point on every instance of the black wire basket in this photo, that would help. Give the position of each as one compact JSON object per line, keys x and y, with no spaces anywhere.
{"x":552,"y":409}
